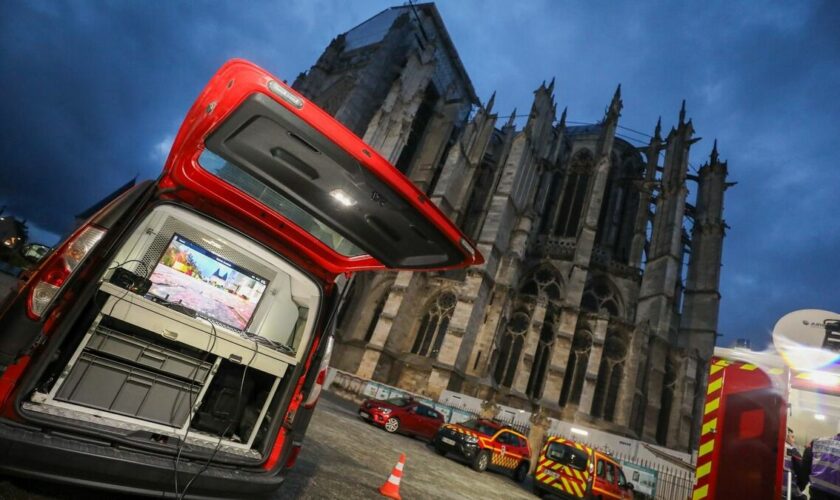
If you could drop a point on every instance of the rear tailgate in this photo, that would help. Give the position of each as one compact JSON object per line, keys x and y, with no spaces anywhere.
{"x":253,"y":144}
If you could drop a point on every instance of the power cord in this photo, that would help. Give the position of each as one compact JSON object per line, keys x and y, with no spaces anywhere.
{"x":211,"y":345}
{"x":230,"y":423}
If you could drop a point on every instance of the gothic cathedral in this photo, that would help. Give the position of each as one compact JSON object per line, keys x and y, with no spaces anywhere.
{"x":599,"y":298}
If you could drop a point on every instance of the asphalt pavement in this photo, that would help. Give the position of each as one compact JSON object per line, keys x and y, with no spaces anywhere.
{"x":343,"y":458}
{"x":346,"y":458}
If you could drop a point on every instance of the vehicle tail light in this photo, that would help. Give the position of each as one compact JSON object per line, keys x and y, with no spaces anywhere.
{"x":315,"y":391}
{"x":52,"y":277}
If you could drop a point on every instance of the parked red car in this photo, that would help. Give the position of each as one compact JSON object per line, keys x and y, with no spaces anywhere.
{"x":402,"y":415}
{"x":176,"y":343}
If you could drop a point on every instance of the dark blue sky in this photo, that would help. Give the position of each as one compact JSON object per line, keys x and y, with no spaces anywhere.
{"x":92,"y":94}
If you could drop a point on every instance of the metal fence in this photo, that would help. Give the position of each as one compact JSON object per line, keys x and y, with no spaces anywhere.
{"x":468,"y":413}
{"x":653,"y":479}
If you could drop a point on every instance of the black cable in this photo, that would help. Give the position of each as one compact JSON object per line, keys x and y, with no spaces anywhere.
{"x":140,"y":261}
{"x":230,"y":423}
{"x":183,"y":440}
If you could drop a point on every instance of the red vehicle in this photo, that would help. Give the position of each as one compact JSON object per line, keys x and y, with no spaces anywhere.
{"x":176,"y":343}
{"x":402,"y":415}
{"x":744,"y":415}
{"x":485,"y":443}
{"x":569,"y":470}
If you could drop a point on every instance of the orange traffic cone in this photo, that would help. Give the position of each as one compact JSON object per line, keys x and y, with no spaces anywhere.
{"x":391,"y":488}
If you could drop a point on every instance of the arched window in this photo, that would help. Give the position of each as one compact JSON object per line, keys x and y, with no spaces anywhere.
{"x":542,"y":356}
{"x":618,"y":209}
{"x":433,"y":326}
{"x":510,"y":348}
{"x":556,"y":180}
{"x":610,"y":374}
{"x":574,"y":194}
{"x":544,"y":281}
{"x":668,"y":385}
{"x":377,"y":311}
{"x":600,"y":297}
{"x":576,"y":368}
{"x":349,"y":300}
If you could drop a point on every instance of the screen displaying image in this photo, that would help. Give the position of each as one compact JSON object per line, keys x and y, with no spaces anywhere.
{"x":217,"y":290}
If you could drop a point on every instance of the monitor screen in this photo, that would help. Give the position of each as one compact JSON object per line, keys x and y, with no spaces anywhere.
{"x":217,"y":290}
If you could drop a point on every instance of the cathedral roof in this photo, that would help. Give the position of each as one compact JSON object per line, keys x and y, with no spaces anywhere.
{"x":374,"y":30}
{"x":594,"y":128}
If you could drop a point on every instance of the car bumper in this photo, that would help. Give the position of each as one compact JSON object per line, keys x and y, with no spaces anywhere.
{"x":554,"y":491}
{"x":454,"y":445}
{"x":372,"y":416}
{"x":54,"y":457}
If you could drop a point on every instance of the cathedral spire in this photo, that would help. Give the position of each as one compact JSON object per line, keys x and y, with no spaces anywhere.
{"x":563,"y":117}
{"x":614,"y":110}
{"x":489,"y":107}
{"x":657,"y":132}
{"x":682,"y":113}
{"x":714,"y":158}
{"x":511,"y":119}
{"x":551,"y":85}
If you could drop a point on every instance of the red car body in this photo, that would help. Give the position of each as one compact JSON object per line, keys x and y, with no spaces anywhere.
{"x":486,"y":443}
{"x":253,"y":123}
{"x":402,"y":415}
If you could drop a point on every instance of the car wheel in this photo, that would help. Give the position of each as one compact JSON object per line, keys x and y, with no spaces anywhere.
{"x":481,"y":461}
{"x":521,"y":473}
{"x":440,"y":450}
{"x":392,"y":425}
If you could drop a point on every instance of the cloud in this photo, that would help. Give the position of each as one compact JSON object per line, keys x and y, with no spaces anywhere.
{"x":161,"y":149}
{"x":94,"y":92}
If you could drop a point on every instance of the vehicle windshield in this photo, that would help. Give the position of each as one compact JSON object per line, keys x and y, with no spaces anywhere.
{"x":481,"y":427}
{"x":567,"y":455}
{"x":398,"y":401}
{"x":236,"y":176}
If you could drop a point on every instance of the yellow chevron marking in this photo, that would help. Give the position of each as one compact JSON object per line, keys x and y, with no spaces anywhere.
{"x":556,"y":466}
{"x":775,"y":371}
{"x":566,"y":484}
{"x":714,"y":369}
{"x":712,"y":406}
{"x":701,"y":492}
{"x":709,"y":426}
{"x":715,"y":385}
{"x":704,"y":470}
{"x":706,"y":448}
{"x":578,"y":474}
{"x":748,"y":367}
{"x":578,"y":492}
{"x":540,"y":476}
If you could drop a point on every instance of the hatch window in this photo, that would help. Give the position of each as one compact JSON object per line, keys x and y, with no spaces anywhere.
{"x":239,"y":178}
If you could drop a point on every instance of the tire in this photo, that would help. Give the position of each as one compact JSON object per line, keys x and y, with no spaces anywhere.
{"x":521,"y":472}
{"x":440,"y":450}
{"x":392,"y":425}
{"x":481,"y":461}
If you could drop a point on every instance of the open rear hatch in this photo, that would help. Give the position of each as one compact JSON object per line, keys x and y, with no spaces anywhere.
{"x":201,"y":326}
{"x":351,"y":209}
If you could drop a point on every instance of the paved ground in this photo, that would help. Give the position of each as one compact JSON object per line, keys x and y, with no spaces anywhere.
{"x":348,"y":459}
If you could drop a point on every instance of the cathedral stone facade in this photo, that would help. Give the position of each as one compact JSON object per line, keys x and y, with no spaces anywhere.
{"x":599,"y":298}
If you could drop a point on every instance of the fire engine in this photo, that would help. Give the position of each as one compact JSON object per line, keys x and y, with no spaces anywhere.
{"x":753,"y":397}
